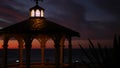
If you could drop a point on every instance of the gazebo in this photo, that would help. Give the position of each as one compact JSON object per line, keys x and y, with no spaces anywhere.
{"x":37,"y":26}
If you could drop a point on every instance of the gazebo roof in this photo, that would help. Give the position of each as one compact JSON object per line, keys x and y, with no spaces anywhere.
{"x":38,"y":26}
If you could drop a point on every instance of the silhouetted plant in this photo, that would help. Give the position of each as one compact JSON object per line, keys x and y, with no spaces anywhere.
{"x":102,"y":57}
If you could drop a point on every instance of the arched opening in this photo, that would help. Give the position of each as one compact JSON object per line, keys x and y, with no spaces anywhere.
{"x":35,"y":44}
{"x":42,"y":13}
{"x":13,"y":51}
{"x":50,"y":52}
{"x":32,"y":13}
{"x":50,"y":44}
{"x":66,"y":44}
{"x":35,"y":51}
{"x":37,"y":13}
{"x":1,"y":44}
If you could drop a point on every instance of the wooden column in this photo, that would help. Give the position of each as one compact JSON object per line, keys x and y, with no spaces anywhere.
{"x":42,"y":39}
{"x":57,"y":53}
{"x":43,"y":51}
{"x":21,"y":42}
{"x":28,"y":41}
{"x":5,"y":53}
{"x":57,"y":50}
{"x":61,"y":56}
{"x":70,"y":52}
{"x":62,"y":51}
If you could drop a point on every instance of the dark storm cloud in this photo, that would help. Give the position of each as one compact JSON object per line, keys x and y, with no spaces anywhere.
{"x":10,"y":11}
{"x":71,"y":13}
{"x":3,"y":24}
{"x":67,"y":11}
{"x":112,"y":6}
{"x":102,"y":30}
{"x":11,"y":2}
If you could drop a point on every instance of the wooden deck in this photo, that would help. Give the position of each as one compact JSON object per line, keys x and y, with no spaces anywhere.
{"x":36,"y":65}
{"x":47,"y":65}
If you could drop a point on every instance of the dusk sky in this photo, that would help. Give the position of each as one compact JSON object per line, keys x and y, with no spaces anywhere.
{"x":94,"y":19}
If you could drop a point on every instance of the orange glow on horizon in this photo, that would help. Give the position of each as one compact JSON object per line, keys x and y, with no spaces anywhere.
{"x":13,"y":44}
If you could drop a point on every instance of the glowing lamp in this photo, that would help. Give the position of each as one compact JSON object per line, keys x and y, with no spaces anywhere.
{"x":36,"y":11}
{"x":32,"y":13}
{"x":17,"y":61}
{"x":42,"y":13}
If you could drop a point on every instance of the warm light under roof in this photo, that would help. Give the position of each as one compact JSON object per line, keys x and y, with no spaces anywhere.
{"x":42,"y":13}
{"x":32,"y":13}
{"x":37,"y":13}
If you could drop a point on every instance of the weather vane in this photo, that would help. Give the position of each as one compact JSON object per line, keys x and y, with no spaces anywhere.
{"x":37,"y":1}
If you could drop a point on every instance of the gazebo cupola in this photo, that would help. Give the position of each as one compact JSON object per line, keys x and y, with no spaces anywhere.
{"x":37,"y":11}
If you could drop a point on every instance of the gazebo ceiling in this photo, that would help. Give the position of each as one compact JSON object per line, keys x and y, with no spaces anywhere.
{"x":38,"y":26}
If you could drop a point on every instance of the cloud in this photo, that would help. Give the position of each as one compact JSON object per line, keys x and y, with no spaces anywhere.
{"x":6,"y":21}
{"x":1,"y":27}
{"x":65,"y":12}
{"x":11,"y":2}
{"x":68,"y":9}
{"x":72,"y":14}
{"x":112,"y":6}
{"x":11,"y":11}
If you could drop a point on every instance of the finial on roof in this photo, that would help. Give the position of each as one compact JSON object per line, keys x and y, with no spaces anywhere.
{"x":37,"y":1}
